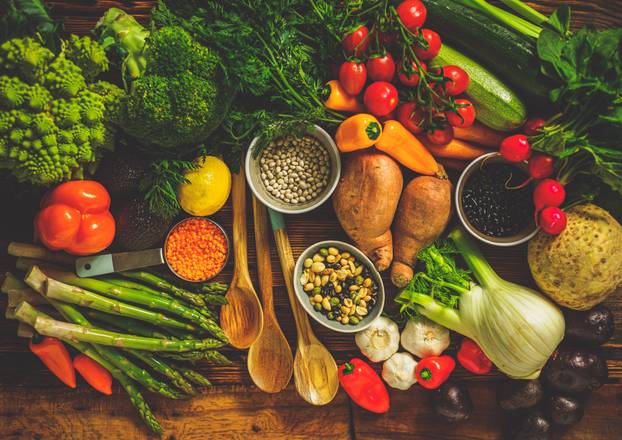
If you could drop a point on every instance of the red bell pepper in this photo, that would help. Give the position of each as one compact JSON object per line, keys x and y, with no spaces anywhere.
{"x":55,"y":356}
{"x":96,"y":375}
{"x":75,"y":217}
{"x":433,"y":371}
{"x":364,"y":386}
{"x":472,"y":358}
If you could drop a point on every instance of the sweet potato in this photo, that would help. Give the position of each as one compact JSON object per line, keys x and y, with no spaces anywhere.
{"x":365,"y":202}
{"x":423,"y":213}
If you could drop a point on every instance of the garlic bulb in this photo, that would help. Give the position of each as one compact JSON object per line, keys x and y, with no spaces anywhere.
{"x":399,"y":371}
{"x":423,"y":337}
{"x":380,"y":340}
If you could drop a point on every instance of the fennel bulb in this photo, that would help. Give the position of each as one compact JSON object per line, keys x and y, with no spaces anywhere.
{"x":516,"y":327}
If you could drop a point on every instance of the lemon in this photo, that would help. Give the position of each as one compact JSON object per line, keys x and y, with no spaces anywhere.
{"x":207,"y":189}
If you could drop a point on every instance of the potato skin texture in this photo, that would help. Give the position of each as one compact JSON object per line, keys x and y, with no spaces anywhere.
{"x":582,"y":266}
{"x":365,"y":201}
{"x":422,"y":215}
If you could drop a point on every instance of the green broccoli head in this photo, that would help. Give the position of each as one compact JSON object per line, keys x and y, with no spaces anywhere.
{"x":182,"y":98}
{"x":51,"y":124}
{"x":88,"y":55}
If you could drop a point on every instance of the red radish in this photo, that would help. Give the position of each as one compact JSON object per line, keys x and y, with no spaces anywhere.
{"x":532,"y":126}
{"x":548,"y":193}
{"x":540,"y":166}
{"x":410,"y":117}
{"x":552,"y":220}
{"x":434,"y":45}
{"x":515,"y":148}
{"x":356,"y":41}
{"x":381,"y":67}
{"x":352,"y":76}
{"x":441,"y":136}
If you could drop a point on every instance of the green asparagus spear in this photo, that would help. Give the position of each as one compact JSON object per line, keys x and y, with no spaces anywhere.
{"x":194,"y":376}
{"x":214,"y":288}
{"x":163,"y":368}
{"x":125,"y":324}
{"x":217,"y":300}
{"x":84,"y":298}
{"x":137,"y":297}
{"x":74,"y":332}
{"x":211,"y":356}
{"x":133,"y":285}
{"x":160,"y":283}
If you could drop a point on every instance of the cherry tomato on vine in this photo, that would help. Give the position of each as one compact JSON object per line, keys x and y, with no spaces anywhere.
{"x":458,"y":80}
{"x":464,"y":116}
{"x":434,"y":45}
{"x":411,"y":79}
{"x":411,"y":117}
{"x":381,"y":67}
{"x":441,"y":136}
{"x":356,"y":41}
{"x":380,"y":98}
{"x":352,"y":77}
{"x":412,"y":14}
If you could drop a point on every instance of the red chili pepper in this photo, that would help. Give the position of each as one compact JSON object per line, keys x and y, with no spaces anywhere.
{"x":364,"y":386}
{"x":433,"y":371}
{"x":472,"y":358}
{"x":96,"y":375}
{"x":55,"y":356}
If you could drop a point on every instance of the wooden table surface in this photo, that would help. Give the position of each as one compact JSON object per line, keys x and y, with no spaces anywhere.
{"x":33,"y":404}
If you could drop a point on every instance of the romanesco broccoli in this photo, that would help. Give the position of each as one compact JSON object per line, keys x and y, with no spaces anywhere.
{"x":52,"y":124}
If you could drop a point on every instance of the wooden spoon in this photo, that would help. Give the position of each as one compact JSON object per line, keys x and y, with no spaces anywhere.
{"x":242,"y":318}
{"x":270,"y":360}
{"x":315,"y":370}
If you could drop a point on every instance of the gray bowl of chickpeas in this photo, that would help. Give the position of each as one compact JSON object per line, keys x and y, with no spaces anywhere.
{"x":339,"y":286}
{"x":294,"y":175}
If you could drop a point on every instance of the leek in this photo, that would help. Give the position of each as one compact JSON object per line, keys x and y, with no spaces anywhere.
{"x":516,"y":327}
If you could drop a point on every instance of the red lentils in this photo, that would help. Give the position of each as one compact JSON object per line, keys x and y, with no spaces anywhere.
{"x":196,"y":249}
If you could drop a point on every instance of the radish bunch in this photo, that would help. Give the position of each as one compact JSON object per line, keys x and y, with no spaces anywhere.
{"x":549,"y":194}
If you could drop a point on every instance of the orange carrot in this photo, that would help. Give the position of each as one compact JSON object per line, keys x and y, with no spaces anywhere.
{"x":479,"y":134}
{"x":456,"y":149}
{"x":403,"y":146}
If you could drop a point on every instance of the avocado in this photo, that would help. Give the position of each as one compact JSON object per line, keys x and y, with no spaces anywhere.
{"x":137,"y":227}
{"x":122,"y":172}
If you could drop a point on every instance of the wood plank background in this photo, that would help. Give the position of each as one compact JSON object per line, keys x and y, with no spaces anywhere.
{"x":33,"y":404}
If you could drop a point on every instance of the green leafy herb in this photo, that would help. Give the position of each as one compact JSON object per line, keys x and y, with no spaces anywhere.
{"x":160,"y":186}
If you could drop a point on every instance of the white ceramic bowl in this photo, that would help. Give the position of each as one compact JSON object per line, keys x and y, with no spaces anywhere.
{"x":253,"y":176}
{"x":303,"y":297}
{"x":526,"y":234}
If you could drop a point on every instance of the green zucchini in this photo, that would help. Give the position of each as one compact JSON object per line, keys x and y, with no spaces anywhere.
{"x":495,"y":104}
{"x":506,"y":52}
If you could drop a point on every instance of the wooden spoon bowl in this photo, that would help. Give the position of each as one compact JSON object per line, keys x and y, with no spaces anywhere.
{"x":242,"y":318}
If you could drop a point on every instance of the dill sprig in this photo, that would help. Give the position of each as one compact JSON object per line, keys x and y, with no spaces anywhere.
{"x":160,"y":185}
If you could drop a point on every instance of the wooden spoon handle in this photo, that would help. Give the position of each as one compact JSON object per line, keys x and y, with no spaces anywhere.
{"x":240,"y":246}
{"x":303,"y":327}
{"x":262,"y":246}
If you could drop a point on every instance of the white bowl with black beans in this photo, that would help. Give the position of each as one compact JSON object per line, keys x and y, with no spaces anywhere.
{"x":338,"y":286}
{"x":294,"y":175}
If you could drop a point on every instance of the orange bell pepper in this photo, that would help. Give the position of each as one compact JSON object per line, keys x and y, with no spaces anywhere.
{"x":75,"y":217}
{"x":338,"y":99}
{"x":403,"y":146}
{"x":357,"y":132}
{"x":96,"y":375}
